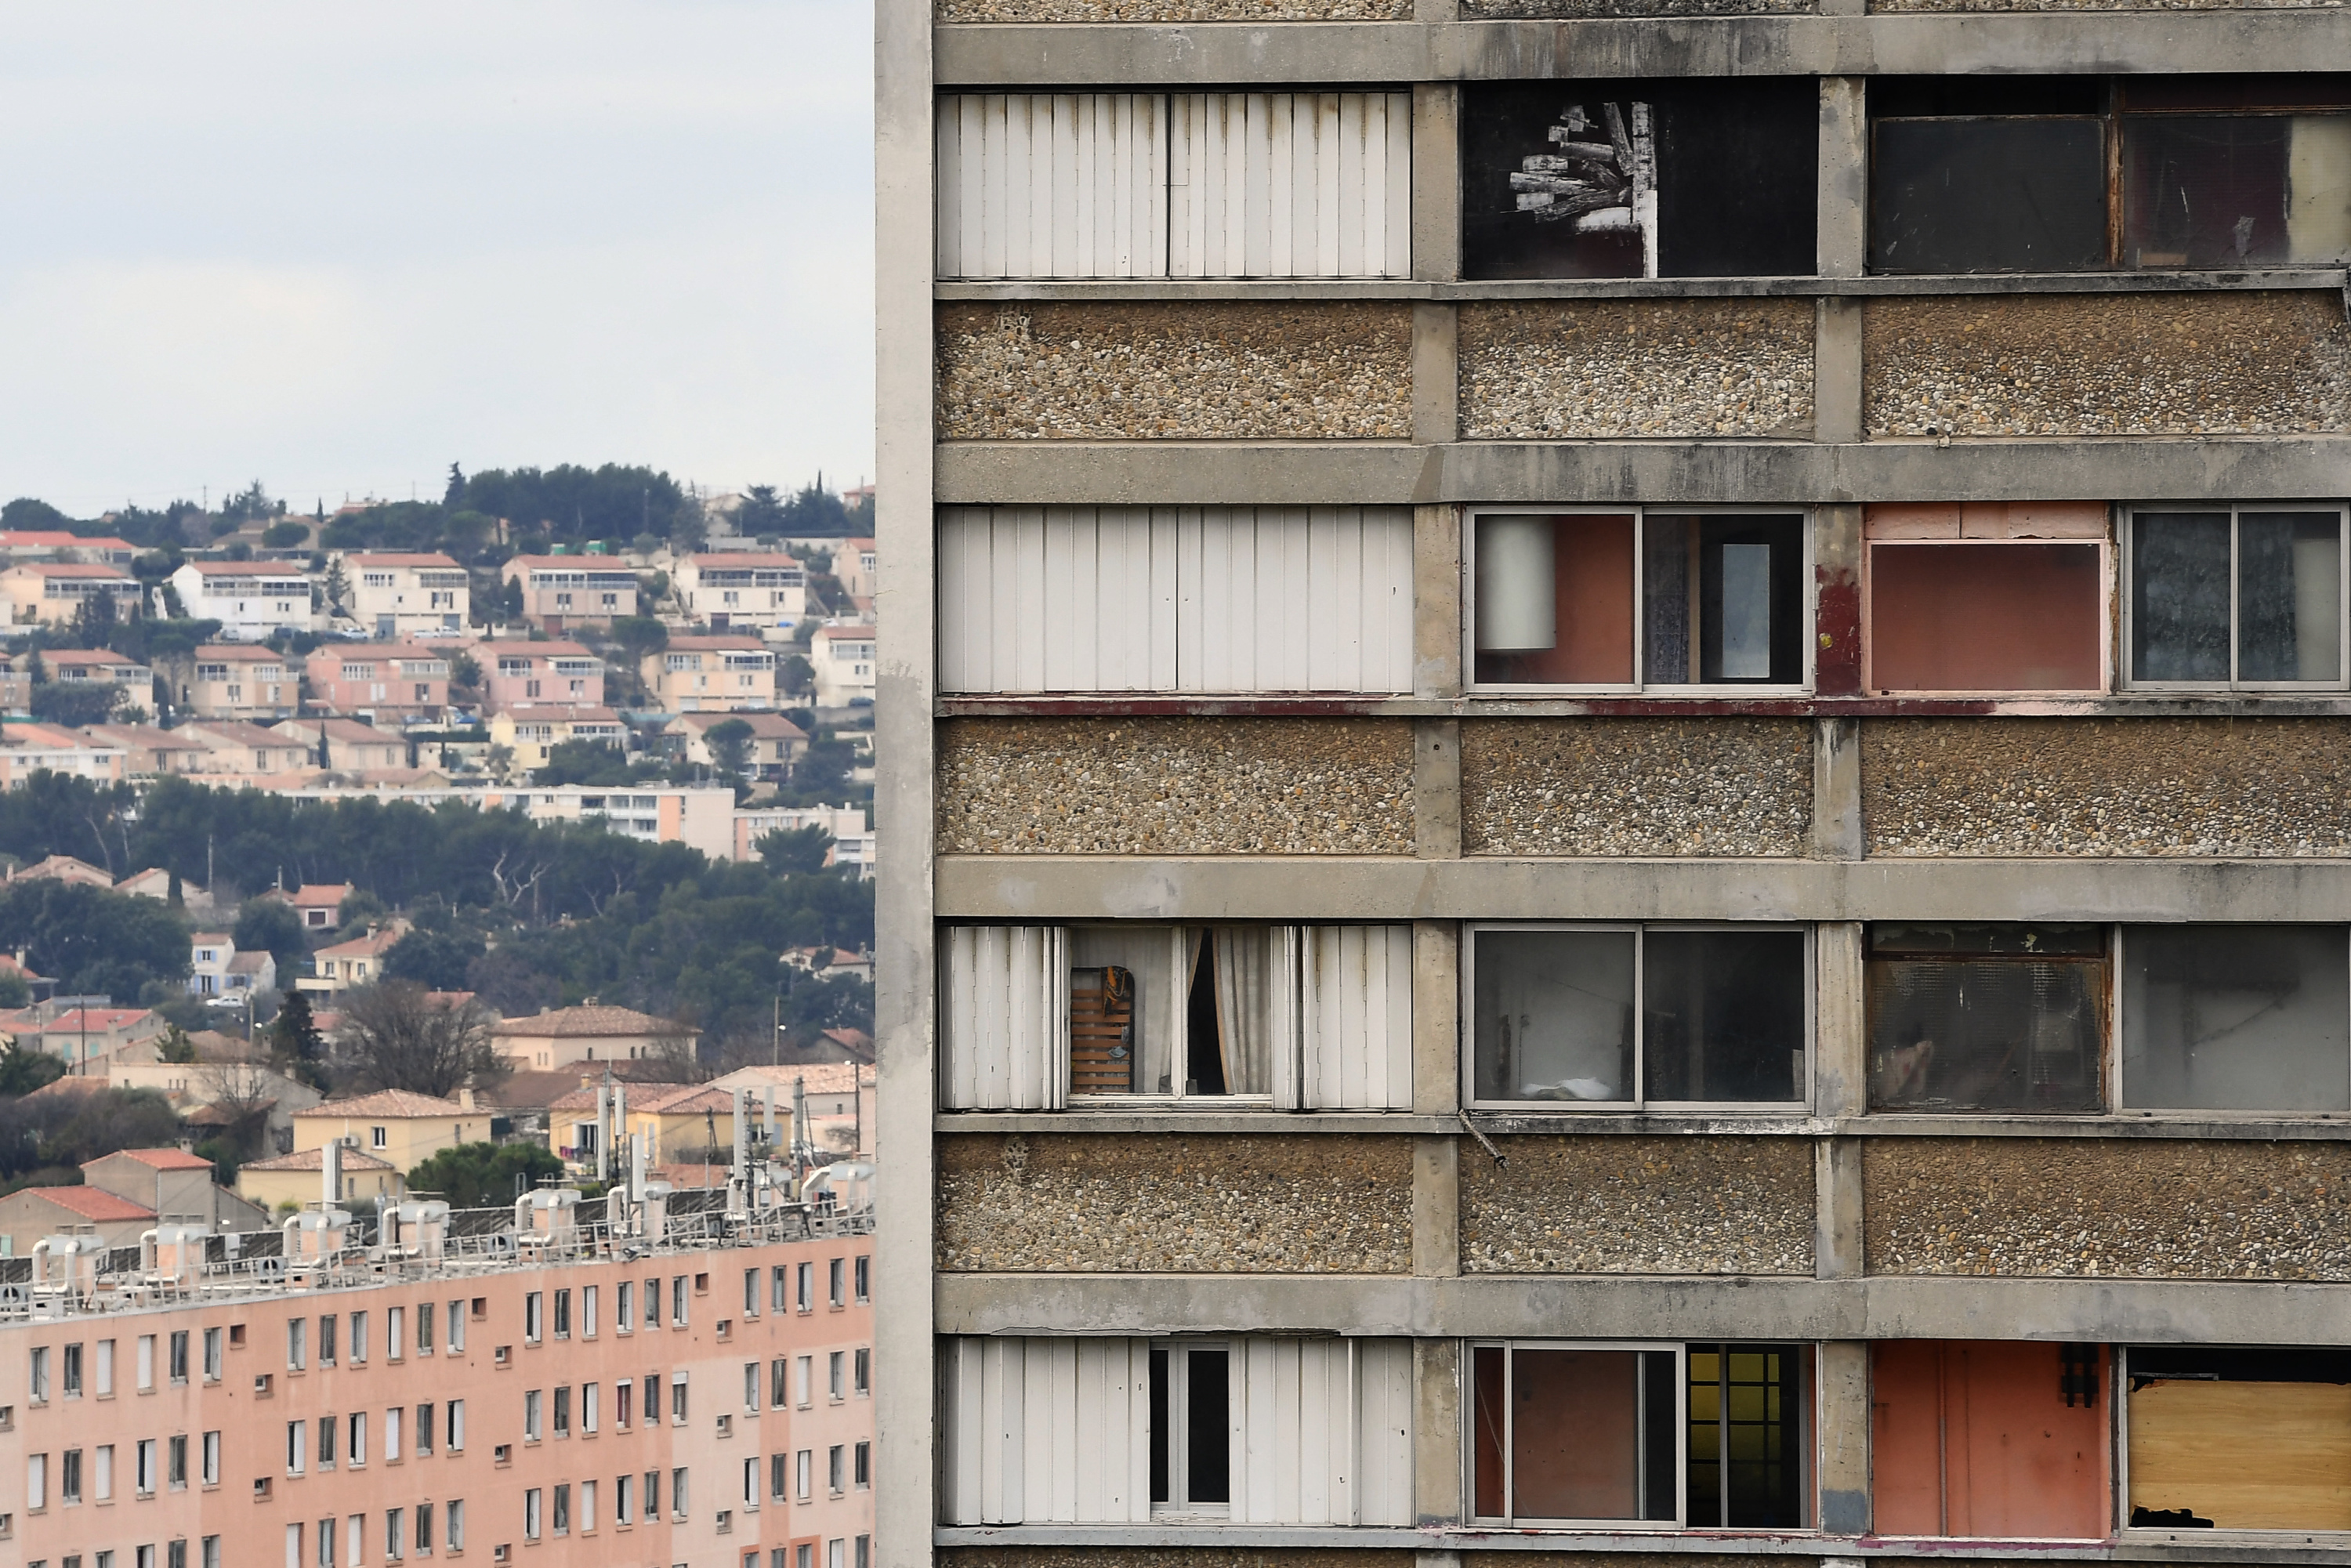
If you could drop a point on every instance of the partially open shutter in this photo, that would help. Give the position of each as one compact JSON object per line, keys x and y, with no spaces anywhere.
{"x":1004,"y":1019}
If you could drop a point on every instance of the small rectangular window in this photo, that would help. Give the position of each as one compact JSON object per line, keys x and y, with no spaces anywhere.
{"x":677,"y":1399}
{"x":531,"y":1521}
{"x":2236,"y":1018}
{"x":326,"y":1339}
{"x":297,"y":1338}
{"x":534,"y":1317}
{"x":653,"y":1303}
{"x":457,"y":1426}
{"x":864,"y":1360}
{"x":750,"y":1293}
{"x":2218,"y":190}
{"x":677,"y":1500}
{"x":804,"y":1286}
{"x":587,"y":1312}
{"x":146,"y":1363}
{"x":2230,"y":597}
{"x":1191,"y":1450}
{"x":563,"y":1314}
{"x":211,"y":1355}
{"x":836,"y":1271}
{"x":424,"y":1328}
{"x":624,"y":1502}
{"x":865,"y":1276}
{"x":358,"y":1338}
{"x":1722,"y":1016}
{"x":1973,"y":1017}
{"x":1632,"y":601}
{"x":624,"y":1307}
{"x":562,"y":1522}
{"x":677,"y":1302}
{"x":563,"y":1411}
{"x":533,"y":1404}
{"x":211,"y":1458}
{"x":864,"y":1464}
{"x":836,"y":1369}
{"x":1575,"y":1434}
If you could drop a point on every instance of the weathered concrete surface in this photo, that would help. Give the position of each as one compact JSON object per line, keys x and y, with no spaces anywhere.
{"x":1613,"y":787}
{"x":1175,"y":10}
{"x":1170,"y":1557}
{"x":2085,"y":1206}
{"x":2262,"y":363}
{"x":1138,"y":372}
{"x":2028,"y":6}
{"x":1578,"y":370}
{"x":2250,"y":789}
{"x":1214,"y":1204}
{"x":1633,"y":1205}
{"x":1513,"y":10}
{"x":1176,"y":786}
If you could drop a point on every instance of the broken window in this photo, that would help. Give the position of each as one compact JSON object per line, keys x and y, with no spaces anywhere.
{"x":1989,"y":1439}
{"x":1180,"y":1011}
{"x":2226,"y":597}
{"x":2236,"y":1439}
{"x":2075,"y":174}
{"x":1722,"y":1015}
{"x":1640,"y":179}
{"x":1966,"y":1016}
{"x":1191,"y":1428}
{"x":1638,"y":599}
{"x":2236,"y":1018}
{"x":1984,"y":597}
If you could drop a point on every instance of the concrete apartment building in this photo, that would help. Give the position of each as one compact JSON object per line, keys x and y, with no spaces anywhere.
{"x":565,"y":591}
{"x":51,"y":592}
{"x":1604,"y":739}
{"x":689,"y":1390}
{"x":514,"y":674}
{"x":718,"y":673}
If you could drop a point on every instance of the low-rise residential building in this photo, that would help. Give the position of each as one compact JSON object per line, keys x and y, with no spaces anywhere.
{"x":533,"y":730}
{"x":151,"y":752}
{"x":74,"y":667}
{"x":35,"y":1212}
{"x":712,"y":673}
{"x":699,"y":816}
{"x":679,"y":1122}
{"x":348,"y":746}
{"x":215,"y":968}
{"x":293,"y":1181}
{"x":65,"y":868}
{"x":396,"y":595}
{"x":852,"y":565}
{"x":51,"y":592}
{"x":177,"y":1186}
{"x":81,"y":1036}
{"x":845,"y":825}
{"x":346,"y":965}
{"x":29,"y":749}
{"x":757,"y":590}
{"x":232,"y":680}
{"x":251,"y":599}
{"x":565,"y":591}
{"x":559,"y":673}
{"x":248,"y":749}
{"x":836,"y":1096}
{"x":776,"y":742}
{"x":558,"y":1037}
{"x":386,"y":680}
{"x":842,"y":659}
{"x":402,"y":1128}
{"x":319,"y":904}
{"x":55,"y":544}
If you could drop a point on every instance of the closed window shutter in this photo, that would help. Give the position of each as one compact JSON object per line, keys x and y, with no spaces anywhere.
{"x":1323,"y":1431}
{"x":1004,"y":1008}
{"x":1047,"y":1431}
{"x":1355,"y":1012}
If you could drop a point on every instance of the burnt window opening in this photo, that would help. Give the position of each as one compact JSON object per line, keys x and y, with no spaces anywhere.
{"x":1640,"y":179}
{"x":2226,"y":1438}
{"x":1973,"y":1017}
{"x":2086,"y":174}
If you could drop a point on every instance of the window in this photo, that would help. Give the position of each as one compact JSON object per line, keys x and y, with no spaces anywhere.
{"x":358,"y":1337}
{"x":101,"y":1472}
{"x":587,"y":1507}
{"x":677,"y":1302}
{"x":457,"y":1426}
{"x":211,"y":1355}
{"x":653,"y":1303}
{"x":298,"y":1437}
{"x":73,"y":1371}
{"x":424,"y":1329}
{"x":176,"y":1462}
{"x":563,"y":1412}
{"x":2236,"y":1018}
{"x":423,"y":1430}
{"x":777,"y":1296}
{"x":751,"y":1485}
{"x":1966,"y":1016}
{"x":863,"y":1361}
{"x":864,"y":1551}
{"x":2224,"y":598}
{"x":456,"y":1338}
{"x":105,"y":1379}
{"x":802,"y":1378}
{"x":623,"y":1510}
{"x":777,"y":1482}
{"x":453,"y":1524}
{"x":624,"y":1308}
{"x":297,"y":1339}
{"x":1575,"y":1434}
{"x":1989,"y":1439}
{"x":864,"y":1464}
{"x":587,"y":1312}
{"x":587,"y":1408}
{"x":1639,"y":179}
{"x":563,"y":1314}
{"x":326,"y":1339}
{"x":70,"y":1476}
{"x":1722,"y":1015}
{"x":423,"y":1528}
{"x":531,"y":1401}
{"x":1637,"y":599}
{"x":562,"y":1523}
{"x":146,"y":1363}
{"x":1986,"y":597}
{"x":677,"y":1399}
{"x":142,"y":1467}
{"x":836,"y":1469}
{"x":751,"y":1387}
{"x":377,"y":1138}
{"x":534,"y":1315}
{"x":36,"y":1380}
{"x":210,"y":1472}
{"x":1191,"y":1469}
{"x":1975,"y":174}
{"x":623,"y":1396}
{"x":530,"y":1514}
{"x":1167,"y":1010}
{"x":835,"y":1554}
{"x":677,"y":1505}
{"x":836,"y":1374}
{"x":804,"y":1286}
{"x":391,"y":1435}
{"x":357,"y":1447}
{"x":328,"y":1426}
{"x":804,"y":1474}
{"x":864,"y":1273}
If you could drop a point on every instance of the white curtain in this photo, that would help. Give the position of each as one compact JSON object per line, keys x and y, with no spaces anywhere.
{"x":1245,"y":962}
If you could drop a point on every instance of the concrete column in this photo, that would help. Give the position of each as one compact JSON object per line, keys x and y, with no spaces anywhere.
{"x":1836,"y":578}
{"x":1843,"y":183}
{"x":1437,"y":1433}
{"x":1836,"y":789}
{"x":1844,"y":1437}
{"x":1436,"y":1208}
{"x":1435,"y":602}
{"x":1435,"y":374}
{"x":1436,"y":1018}
{"x":1836,"y":1209}
{"x":1836,"y":370}
{"x":1841,"y":1061}
{"x":1436,"y":168}
{"x":1437,"y":788}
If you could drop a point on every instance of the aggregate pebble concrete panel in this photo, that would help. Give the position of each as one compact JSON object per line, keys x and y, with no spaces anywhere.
{"x":2236,"y":787}
{"x":1577,"y":370}
{"x":1631,"y":1205}
{"x":1169,"y":11}
{"x":2135,"y":1209}
{"x":1636,"y":787}
{"x":1127,"y":372}
{"x":1095,"y":1203}
{"x":2264,"y":363}
{"x":1566,"y":10}
{"x":1176,"y":786}
{"x":1628,"y":1559}
{"x":2061,"y":5}
{"x":1183,"y":1557}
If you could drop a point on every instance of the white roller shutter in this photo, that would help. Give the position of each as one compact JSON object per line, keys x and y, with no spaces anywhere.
{"x":1355,"y":1015}
{"x":1322,"y":1431}
{"x":1052,"y":184}
{"x":1046,"y":1431}
{"x":1057,"y":599}
{"x":1004,"y":1019}
{"x":1290,"y":184}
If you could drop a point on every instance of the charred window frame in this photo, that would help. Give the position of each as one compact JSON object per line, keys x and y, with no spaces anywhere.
{"x":2086,"y":174}
{"x":1975,"y":598}
{"x":1690,"y":600}
{"x":2231,"y":598}
{"x":1151,"y":1010}
{"x":1635,"y":987}
{"x":1667,"y":178}
{"x":1978,"y":1018}
{"x":2204,"y":1430}
{"x":1531,"y":1400}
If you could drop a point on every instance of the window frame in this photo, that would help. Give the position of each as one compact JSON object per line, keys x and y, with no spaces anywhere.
{"x":1639,"y":1105}
{"x":2110,"y":628}
{"x":1472,"y":1519}
{"x":2109,"y":999}
{"x":2119,"y":1022}
{"x":1641,"y":686}
{"x":1178,"y":1018}
{"x":1179,"y":1508}
{"x":2127,"y":678}
{"x":2120,"y":1530}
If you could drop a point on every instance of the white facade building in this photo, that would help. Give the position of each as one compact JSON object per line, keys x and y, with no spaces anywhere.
{"x":249,"y":598}
{"x":843,"y":659}
{"x":407,"y":595}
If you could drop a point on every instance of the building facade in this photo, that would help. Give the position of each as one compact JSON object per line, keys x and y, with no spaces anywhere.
{"x":401,"y":679}
{"x":251,"y":599}
{"x":552,"y":673}
{"x":232,"y":681}
{"x":394,"y":595}
{"x":718,"y":673}
{"x":1566,"y":700}
{"x":563,"y":591}
{"x":52,"y":592}
{"x":760,"y":591}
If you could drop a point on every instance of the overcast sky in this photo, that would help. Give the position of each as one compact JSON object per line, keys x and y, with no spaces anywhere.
{"x":337,"y":247}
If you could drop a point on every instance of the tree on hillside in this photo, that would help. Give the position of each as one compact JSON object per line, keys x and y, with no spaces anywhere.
{"x":396,"y":1037}
{"x":22,"y":1070}
{"x":295,"y":1044}
{"x":270,"y":926}
{"x":436,"y":960}
{"x":802,"y":849}
{"x":74,"y":703}
{"x":484,"y":1175}
{"x":454,"y":497}
{"x":93,"y":940}
{"x":761,"y":513}
{"x":94,"y":621}
{"x":729,"y":744}
{"x":815,"y":511}
{"x":25,"y":512}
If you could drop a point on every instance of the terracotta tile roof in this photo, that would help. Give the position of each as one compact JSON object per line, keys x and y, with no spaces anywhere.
{"x":319,"y":896}
{"x":353,"y":1161}
{"x":821,"y":1077}
{"x":394,"y":1102}
{"x":90,"y":1203}
{"x":656,"y":1100}
{"x":160,"y":1159}
{"x":574,"y":1023}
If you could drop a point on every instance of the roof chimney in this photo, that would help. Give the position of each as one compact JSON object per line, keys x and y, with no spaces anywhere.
{"x":465,"y":1098}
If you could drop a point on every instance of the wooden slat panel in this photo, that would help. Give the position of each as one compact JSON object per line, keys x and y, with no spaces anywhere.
{"x":2246,"y":1456}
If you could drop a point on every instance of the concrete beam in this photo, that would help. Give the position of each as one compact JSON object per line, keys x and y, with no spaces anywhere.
{"x":2014,"y":44}
{"x":2006,"y":284}
{"x":1436,"y":1208}
{"x":1071,"y":887}
{"x":1836,"y":370}
{"x":2148,"y":1311}
{"x":1435,"y":374}
{"x":1836,"y":787}
{"x":1192,"y":474}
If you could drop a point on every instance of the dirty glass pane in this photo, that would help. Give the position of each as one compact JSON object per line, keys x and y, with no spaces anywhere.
{"x":1488,"y":1408}
{"x":1723,"y":1015}
{"x":2289,"y":596}
{"x":2211,"y":189}
{"x":2179,"y":596}
{"x":1633,"y":179}
{"x":1553,"y":1015}
{"x":2237,"y":1018}
{"x":1991,"y":1033}
{"x":1988,"y":195}
{"x":1591,"y":1434}
{"x":1146,"y":955}
{"x":1728,"y":589}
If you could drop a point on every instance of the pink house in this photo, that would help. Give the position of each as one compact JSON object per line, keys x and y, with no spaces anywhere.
{"x":562,"y":674}
{"x":384,"y":679}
